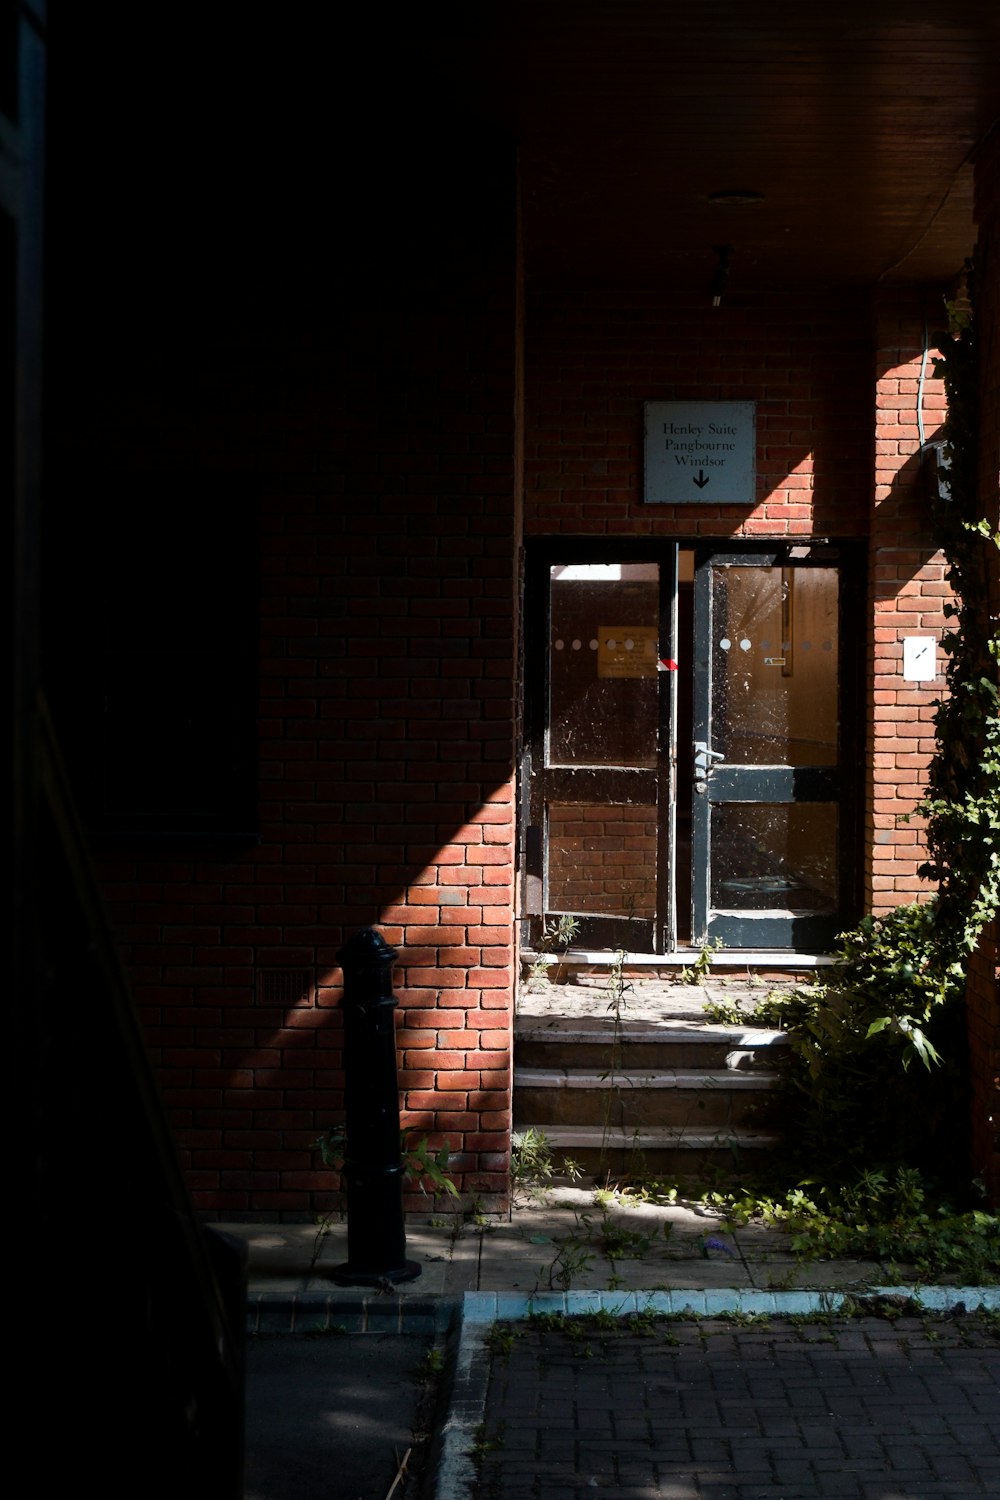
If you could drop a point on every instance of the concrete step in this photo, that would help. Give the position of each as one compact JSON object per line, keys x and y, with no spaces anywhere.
{"x":641,"y":1080}
{"x":593,"y":1043}
{"x":651,"y":1151}
{"x":638,"y":1097}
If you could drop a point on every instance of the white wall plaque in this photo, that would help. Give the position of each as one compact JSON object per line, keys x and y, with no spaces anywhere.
{"x":700,"y":452}
{"x":919,"y":658}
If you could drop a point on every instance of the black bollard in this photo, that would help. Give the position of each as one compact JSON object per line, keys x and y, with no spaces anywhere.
{"x":373,"y":1171}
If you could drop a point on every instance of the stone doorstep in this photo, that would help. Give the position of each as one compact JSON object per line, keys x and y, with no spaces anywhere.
{"x":761,"y":963}
{"x":596,"y":989}
{"x":665,"y":1029}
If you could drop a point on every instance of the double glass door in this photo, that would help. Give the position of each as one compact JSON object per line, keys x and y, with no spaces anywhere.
{"x":686,"y":717}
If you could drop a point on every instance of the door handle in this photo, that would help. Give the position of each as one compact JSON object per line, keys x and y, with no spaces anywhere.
{"x":703,"y":758}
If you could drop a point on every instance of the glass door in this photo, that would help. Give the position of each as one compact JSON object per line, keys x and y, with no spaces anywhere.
{"x":767,"y":821}
{"x":598,"y":824}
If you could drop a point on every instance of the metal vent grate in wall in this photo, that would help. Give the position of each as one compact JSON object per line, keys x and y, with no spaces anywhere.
{"x":285,"y":987}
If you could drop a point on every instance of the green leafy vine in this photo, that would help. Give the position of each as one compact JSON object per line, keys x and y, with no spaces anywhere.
{"x":962,"y":802}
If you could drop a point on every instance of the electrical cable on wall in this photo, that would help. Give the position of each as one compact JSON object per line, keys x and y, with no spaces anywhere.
{"x":920,"y":387}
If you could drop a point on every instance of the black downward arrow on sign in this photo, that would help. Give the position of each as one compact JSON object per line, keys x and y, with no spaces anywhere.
{"x":702,"y":479}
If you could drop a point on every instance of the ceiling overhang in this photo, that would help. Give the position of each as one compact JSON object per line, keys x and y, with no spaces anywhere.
{"x":858,"y":123}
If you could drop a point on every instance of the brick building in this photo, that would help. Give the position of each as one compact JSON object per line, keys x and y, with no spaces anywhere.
{"x":365,"y":600}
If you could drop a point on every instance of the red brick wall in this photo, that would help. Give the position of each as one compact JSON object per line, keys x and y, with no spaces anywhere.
{"x":373,"y":421}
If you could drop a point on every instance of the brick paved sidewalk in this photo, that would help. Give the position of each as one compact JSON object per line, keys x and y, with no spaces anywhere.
{"x":860,"y":1409}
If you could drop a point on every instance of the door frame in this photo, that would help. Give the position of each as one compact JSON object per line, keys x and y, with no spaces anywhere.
{"x":719,"y":783}
{"x":611,"y":933}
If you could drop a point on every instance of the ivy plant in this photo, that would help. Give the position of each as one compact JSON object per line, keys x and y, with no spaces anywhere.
{"x":962,"y":803}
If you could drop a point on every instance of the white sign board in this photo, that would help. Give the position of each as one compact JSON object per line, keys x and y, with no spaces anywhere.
{"x":700,"y":452}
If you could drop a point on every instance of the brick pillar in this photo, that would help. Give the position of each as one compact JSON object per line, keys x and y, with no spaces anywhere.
{"x":907,"y":594}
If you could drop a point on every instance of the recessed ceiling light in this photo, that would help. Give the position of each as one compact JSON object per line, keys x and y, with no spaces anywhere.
{"x":736,"y":197}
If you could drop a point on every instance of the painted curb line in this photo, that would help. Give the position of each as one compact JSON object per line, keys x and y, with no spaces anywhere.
{"x":488,"y":1307}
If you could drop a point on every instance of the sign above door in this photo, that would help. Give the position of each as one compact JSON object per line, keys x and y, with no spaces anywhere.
{"x":700,"y":452}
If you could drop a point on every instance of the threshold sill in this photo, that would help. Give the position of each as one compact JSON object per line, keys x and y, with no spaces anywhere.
{"x":731,"y":958}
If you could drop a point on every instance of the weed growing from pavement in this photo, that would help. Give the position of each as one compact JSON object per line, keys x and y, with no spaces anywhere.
{"x":575,"y":1252}
{"x":991,"y":1317}
{"x":784,"y":1281}
{"x":572,"y":1258}
{"x":615,"y":1240}
{"x":432,"y":1364}
{"x":742,"y":1318}
{"x":892,"y":1217}
{"x":875,"y":1215}
{"x":643,"y":1323}
{"x":547,"y":1322}
{"x":501,"y":1337}
{"x":486,"y":1443}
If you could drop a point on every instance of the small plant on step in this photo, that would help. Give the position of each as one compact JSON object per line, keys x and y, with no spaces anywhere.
{"x":618,"y":988}
{"x":770,"y":1010}
{"x":557,"y":937}
{"x":699,"y":971}
{"x":530,"y":1161}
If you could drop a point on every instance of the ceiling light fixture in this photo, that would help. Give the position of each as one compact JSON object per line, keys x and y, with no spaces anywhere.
{"x":736,"y":197}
